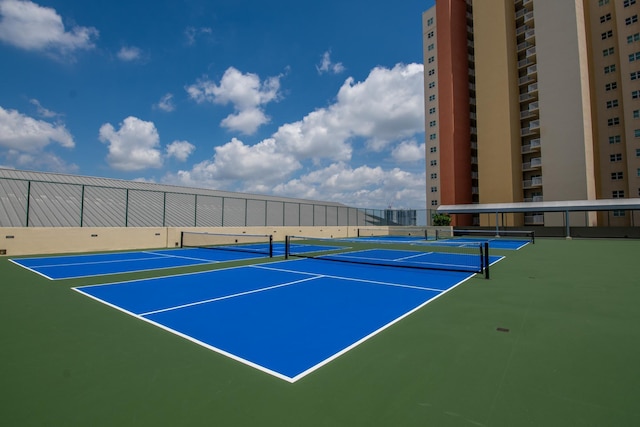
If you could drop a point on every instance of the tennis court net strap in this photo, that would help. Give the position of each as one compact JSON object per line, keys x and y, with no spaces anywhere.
{"x":254,"y":243}
{"x":468,"y":258}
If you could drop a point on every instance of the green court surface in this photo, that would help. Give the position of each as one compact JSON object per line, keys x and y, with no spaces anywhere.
{"x":552,"y":339}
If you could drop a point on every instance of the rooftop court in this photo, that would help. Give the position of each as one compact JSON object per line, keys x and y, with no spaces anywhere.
{"x":551,"y":339}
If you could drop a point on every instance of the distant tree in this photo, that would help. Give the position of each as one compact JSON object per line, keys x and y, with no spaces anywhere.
{"x":441,"y":219}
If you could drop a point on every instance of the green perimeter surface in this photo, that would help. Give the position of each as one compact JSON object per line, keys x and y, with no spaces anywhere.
{"x":569,"y":358}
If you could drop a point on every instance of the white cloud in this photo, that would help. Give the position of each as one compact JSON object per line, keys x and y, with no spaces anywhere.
{"x":246,"y":92}
{"x":43,"y":111}
{"x":166,"y":103}
{"x":387,"y":106}
{"x":191,"y":33}
{"x":129,"y":53}
{"x":28,"y":135}
{"x":326,"y":66}
{"x":260,"y":163}
{"x":180,"y":150}
{"x":364,"y":186}
{"x":408,"y":151}
{"x":29,"y":26}
{"x":134,"y":146}
{"x":385,"y":110}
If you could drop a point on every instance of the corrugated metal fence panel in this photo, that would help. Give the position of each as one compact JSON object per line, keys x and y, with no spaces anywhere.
{"x":275,"y":213}
{"x":209,"y":213}
{"x":55,"y":205}
{"x":256,"y":213}
{"x":343,"y":216}
{"x":180,"y":210}
{"x":291,"y":214}
{"x":319,"y":215}
{"x":104,"y":207}
{"x":332,"y":215}
{"x":146,"y":209}
{"x":306,"y":215}
{"x":234,"y":212}
{"x":13,"y":203}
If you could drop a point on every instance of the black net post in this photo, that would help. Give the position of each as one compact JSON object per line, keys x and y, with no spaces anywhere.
{"x":486,"y":260}
{"x":287,"y":243}
{"x":182,"y":239}
{"x":271,"y":246}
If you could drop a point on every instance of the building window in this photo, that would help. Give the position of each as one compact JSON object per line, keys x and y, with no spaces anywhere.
{"x":614,"y":121}
{"x":618,"y":194}
{"x":616,"y":139}
{"x":618,"y":213}
{"x":433,"y":163}
{"x":433,"y":149}
{"x":634,"y":56}
{"x":607,"y":34}
{"x":611,"y":86}
{"x":431,"y":59}
{"x":432,"y":110}
{"x":432,"y":85}
{"x":605,"y":18}
{"x":638,"y":172}
{"x":612,"y":104}
{"x":628,"y":3}
{"x":634,"y":75}
{"x":434,"y":203}
{"x":615,"y":157}
{"x":636,"y":114}
{"x":616,"y":176}
{"x":434,"y":189}
{"x":608,"y":52}
{"x":636,"y":133}
{"x":637,"y":152}
{"x":635,"y":94}
{"x":610,"y":69}
{"x":434,"y":176}
{"x":432,"y":72}
{"x":430,"y":35}
{"x":432,"y":136}
{"x":432,"y":97}
{"x":432,"y":123}
{"x":633,"y":38}
{"x":602,"y":2}
{"x":631,"y":20}
{"x":431,"y":47}
{"x":430,"y":20}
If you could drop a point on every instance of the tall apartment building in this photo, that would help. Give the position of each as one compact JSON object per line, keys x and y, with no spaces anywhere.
{"x":533,"y":100}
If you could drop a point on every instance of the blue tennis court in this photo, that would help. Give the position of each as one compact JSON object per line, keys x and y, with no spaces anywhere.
{"x":76,"y":266}
{"x":285,"y":318}
{"x":494,"y":242}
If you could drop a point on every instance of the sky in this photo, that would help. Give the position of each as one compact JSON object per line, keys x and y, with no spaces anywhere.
{"x":313,"y":100}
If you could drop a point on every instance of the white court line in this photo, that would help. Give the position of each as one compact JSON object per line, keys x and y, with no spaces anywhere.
{"x":177,"y":307}
{"x":352,"y":279}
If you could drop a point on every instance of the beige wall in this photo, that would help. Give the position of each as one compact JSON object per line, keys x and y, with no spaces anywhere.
{"x":498,"y":114}
{"x":16,"y":241}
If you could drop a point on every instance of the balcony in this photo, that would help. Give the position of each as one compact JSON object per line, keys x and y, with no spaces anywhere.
{"x":535,"y":163}
{"x":534,"y":219}
{"x":532,"y":88}
{"x":534,"y":182}
{"x":533,"y":199}
{"x":530,"y":34}
{"x":534,"y":106}
{"x":524,"y":45}
{"x":534,"y":124}
{"x":525,"y":80}
{"x":525,"y":62}
{"x":532,"y":146}
{"x":531,"y":52}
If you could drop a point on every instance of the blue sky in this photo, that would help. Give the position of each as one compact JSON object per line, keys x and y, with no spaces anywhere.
{"x":317,"y":100}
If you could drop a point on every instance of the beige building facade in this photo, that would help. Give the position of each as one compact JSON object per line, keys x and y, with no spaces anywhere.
{"x":554,"y":103}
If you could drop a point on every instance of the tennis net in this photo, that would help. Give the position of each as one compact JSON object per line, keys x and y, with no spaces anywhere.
{"x":468,"y":258}
{"x":526,"y":235}
{"x":254,"y":243}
